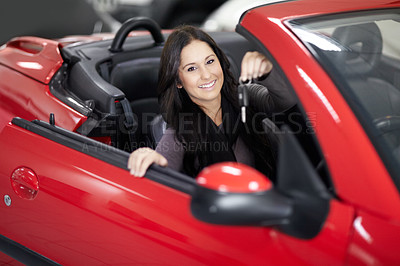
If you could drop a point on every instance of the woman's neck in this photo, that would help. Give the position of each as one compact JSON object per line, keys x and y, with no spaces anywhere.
{"x":216,"y":116}
{"x":213,"y":110}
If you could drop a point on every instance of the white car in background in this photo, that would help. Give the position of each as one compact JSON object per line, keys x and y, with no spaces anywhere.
{"x":228,"y":14}
{"x":167,"y":13}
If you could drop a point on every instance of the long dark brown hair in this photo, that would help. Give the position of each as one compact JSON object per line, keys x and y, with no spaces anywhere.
{"x":176,"y":105}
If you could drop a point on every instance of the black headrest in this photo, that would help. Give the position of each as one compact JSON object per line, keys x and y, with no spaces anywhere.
{"x":137,"y":78}
{"x":364,"y":44}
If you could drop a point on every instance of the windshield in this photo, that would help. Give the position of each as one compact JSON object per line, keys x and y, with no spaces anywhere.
{"x":361,"y":53}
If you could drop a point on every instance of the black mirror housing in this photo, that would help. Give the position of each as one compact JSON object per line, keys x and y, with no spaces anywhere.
{"x":259,"y":209}
{"x":297,"y":206}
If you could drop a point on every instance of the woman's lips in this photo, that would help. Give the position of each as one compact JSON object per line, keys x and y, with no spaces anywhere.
{"x":208,"y":86}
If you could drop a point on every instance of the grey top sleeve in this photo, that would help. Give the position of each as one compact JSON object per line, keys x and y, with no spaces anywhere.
{"x":273,"y":96}
{"x":171,"y":149}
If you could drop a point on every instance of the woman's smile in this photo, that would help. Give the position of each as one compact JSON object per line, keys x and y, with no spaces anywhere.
{"x":208,"y":86}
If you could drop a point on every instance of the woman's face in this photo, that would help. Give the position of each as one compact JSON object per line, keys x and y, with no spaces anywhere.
{"x":200,"y":73}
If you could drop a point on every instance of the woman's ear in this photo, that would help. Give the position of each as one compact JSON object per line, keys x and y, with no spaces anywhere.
{"x":179,"y":86}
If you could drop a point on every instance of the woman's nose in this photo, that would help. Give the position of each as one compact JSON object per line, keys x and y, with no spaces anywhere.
{"x":205,"y":73}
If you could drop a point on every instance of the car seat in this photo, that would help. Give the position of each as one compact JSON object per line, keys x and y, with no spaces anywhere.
{"x":138,"y":80}
{"x":359,"y":64}
{"x":155,"y":130}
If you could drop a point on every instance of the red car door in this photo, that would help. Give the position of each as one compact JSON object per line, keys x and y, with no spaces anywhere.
{"x":85,"y":208}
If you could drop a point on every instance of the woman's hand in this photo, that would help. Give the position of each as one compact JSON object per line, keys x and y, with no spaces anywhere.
{"x":142,"y":158}
{"x":254,"y":65}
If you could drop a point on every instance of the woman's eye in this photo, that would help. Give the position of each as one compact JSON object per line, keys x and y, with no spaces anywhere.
{"x":191,"y":69}
{"x":210,"y":61}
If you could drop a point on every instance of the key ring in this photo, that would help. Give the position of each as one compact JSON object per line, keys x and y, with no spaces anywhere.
{"x":249,"y":81}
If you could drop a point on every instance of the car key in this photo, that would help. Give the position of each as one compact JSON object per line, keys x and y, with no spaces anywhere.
{"x":243,"y":98}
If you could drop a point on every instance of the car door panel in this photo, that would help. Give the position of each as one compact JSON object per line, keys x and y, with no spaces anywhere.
{"x":92,"y":211}
{"x":329,"y":247}
{"x":369,"y":243}
{"x":79,"y":197}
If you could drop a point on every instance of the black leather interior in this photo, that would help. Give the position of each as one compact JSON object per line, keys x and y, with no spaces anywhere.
{"x":364,"y":47}
{"x":155,"y":130}
{"x":379,"y":97}
{"x":138,"y":80}
{"x":360,"y":66}
{"x":364,"y":51}
{"x":145,"y":110}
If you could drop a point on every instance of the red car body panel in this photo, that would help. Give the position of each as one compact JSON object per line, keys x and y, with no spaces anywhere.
{"x":334,"y":119}
{"x":35,"y":57}
{"x":375,"y":241}
{"x":142,"y":217}
{"x":305,"y":8}
{"x":26,"y":67}
{"x":95,"y":213}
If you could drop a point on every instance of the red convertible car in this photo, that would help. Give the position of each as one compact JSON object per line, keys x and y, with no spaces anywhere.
{"x":72,"y":109}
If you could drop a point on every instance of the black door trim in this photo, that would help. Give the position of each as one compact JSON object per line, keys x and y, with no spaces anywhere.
{"x":22,"y":253}
{"x":106,"y":153}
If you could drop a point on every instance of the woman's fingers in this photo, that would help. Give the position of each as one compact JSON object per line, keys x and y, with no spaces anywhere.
{"x":162,"y":161}
{"x":254,"y":65}
{"x":146,"y":161}
{"x":245,"y":67}
{"x":244,"y":71}
{"x":136,"y":158}
{"x":140,"y":160}
{"x":265,"y":67}
{"x":256,"y":61}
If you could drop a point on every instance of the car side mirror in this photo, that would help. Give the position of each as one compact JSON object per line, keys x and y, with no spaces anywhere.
{"x":235,"y":194}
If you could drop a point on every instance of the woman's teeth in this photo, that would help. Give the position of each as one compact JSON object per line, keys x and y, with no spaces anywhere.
{"x":209,"y":85}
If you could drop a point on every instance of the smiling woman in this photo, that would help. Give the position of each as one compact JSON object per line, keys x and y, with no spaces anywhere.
{"x":198,"y":99}
{"x":201,"y":75}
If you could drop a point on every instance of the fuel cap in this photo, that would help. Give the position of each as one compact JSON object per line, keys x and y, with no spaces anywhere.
{"x":25,"y":183}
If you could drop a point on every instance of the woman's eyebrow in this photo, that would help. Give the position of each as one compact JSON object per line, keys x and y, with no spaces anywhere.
{"x":209,"y":56}
{"x":187,"y":65}
{"x":195,"y":63}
